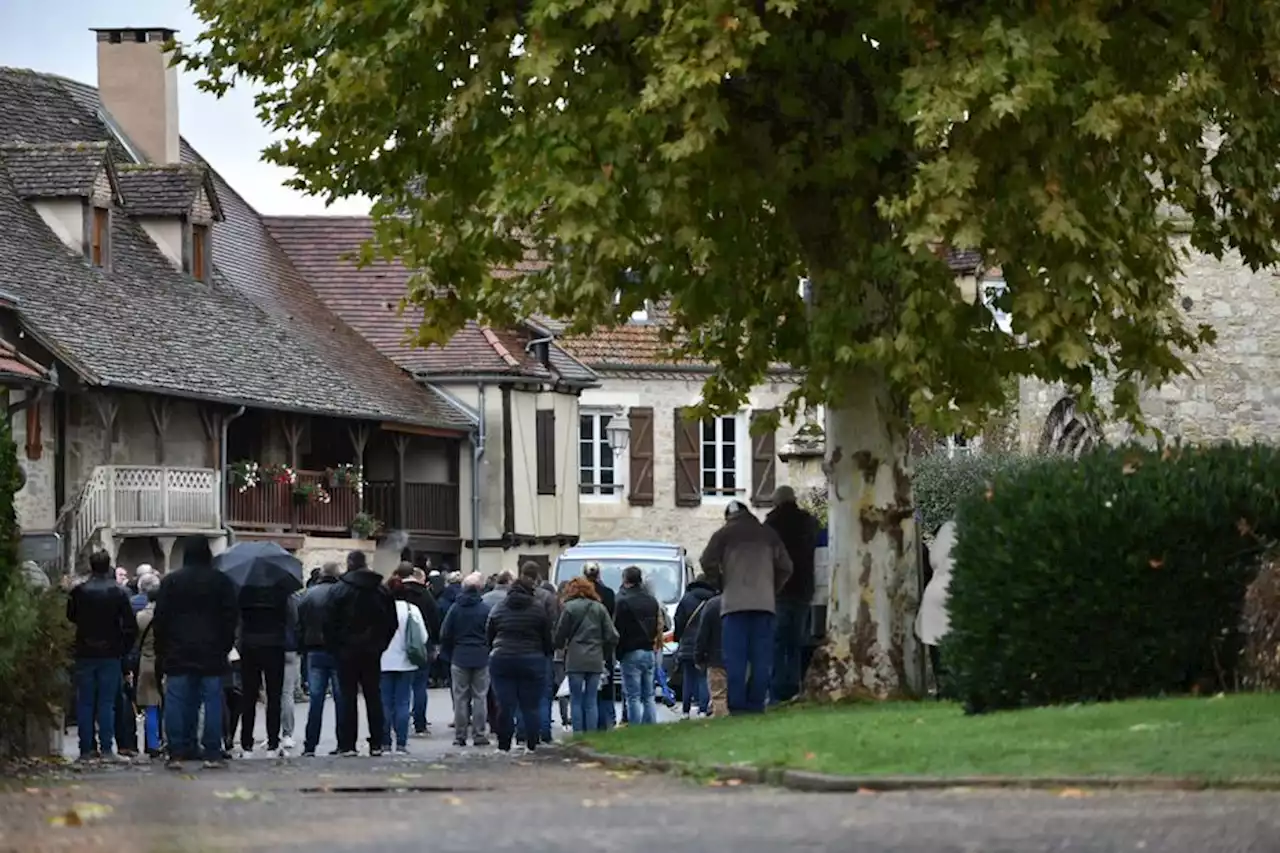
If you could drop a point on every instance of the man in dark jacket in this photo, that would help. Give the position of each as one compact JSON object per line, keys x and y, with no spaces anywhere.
{"x":707,"y":654}
{"x":637,"y":619}
{"x":413,"y":589}
{"x":798,"y":531}
{"x":752,"y":565}
{"x":264,"y":618}
{"x":359,"y":624}
{"x":105,"y":631}
{"x":322,"y":667}
{"x":685,"y":632}
{"x":463,"y":637}
{"x":194,"y":627}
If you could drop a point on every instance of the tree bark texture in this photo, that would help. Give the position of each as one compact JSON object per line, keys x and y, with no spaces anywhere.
{"x":870,"y":648}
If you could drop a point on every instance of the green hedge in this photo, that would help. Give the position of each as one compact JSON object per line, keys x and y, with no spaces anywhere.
{"x":939,"y":484}
{"x":1120,"y":574}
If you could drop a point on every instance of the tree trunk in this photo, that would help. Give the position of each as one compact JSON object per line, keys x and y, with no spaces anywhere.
{"x":870,"y":649}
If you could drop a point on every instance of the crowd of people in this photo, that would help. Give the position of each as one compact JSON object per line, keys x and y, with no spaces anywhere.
{"x":195,"y":655}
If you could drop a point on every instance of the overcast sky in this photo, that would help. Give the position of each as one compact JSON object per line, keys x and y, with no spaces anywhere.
{"x":53,"y":36}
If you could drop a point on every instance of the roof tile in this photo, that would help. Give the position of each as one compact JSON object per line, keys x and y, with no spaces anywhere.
{"x":152,"y":190}
{"x":55,"y":170}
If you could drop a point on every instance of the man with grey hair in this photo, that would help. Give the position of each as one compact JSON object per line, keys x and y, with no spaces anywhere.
{"x":798,"y":530}
{"x":322,"y":669}
{"x":502,"y":585}
{"x":464,"y":639}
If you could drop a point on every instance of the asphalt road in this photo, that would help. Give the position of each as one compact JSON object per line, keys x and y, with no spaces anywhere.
{"x":445,"y":799}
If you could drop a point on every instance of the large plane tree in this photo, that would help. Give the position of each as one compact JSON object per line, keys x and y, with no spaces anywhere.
{"x":712,"y":153}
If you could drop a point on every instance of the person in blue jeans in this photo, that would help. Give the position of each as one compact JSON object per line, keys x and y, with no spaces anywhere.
{"x":693,"y":681}
{"x":798,"y":529}
{"x":410,"y":584}
{"x":519,"y":634}
{"x":105,"y":633}
{"x":398,"y":672}
{"x":638,"y":621}
{"x":322,"y":667}
{"x":197,"y":613}
{"x":752,"y":564}
{"x":587,"y":635}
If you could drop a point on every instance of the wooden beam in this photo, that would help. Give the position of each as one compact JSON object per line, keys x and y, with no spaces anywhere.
{"x":161,"y":413}
{"x":359,"y":440}
{"x":401,"y":443}
{"x":411,"y":429}
{"x":210,"y":419}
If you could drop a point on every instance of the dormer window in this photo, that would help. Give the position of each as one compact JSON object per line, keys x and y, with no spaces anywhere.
{"x":100,"y":237}
{"x":200,"y":252}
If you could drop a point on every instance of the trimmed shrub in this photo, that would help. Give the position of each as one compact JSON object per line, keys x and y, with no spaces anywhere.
{"x":1120,"y":574}
{"x":939,"y":483}
{"x":1261,"y":628}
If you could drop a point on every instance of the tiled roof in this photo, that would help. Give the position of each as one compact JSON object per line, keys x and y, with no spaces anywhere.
{"x":58,"y":170}
{"x":368,"y":298}
{"x":167,"y":190}
{"x":17,"y":369}
{"x":256,"y":335}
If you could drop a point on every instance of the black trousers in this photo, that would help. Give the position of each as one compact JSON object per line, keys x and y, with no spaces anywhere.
{"x":256,"y":666}
{"x":359,"y":673}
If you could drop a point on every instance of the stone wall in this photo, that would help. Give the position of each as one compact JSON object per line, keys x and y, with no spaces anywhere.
{"x":613,"y":517}
{"x":34,"y":504}
{"x":1234,"y":390}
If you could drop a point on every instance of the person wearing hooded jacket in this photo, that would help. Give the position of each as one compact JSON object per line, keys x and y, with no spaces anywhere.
{"x":360,"y":622}
{"x":798,"y":530}
{"x":412,"y":587}
{"x":685,"y":632}
{"x":519,"y":634}
{"x":464,"y":636}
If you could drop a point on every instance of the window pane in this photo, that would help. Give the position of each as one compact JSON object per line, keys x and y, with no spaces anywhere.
{"x":709,"y":430}
{"x":604,"y":425}
{"x":606,"y":458}
{"x":606,"y":478}
{"x":585,"y":456}
{"x":728,"y":428}
{"x":586,"y":426}
{"x":730,"y":481}
{"x":728,"y":456}
{"x":708,"y":480}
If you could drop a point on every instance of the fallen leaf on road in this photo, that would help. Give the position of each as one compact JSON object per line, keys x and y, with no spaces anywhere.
{"x":32,"y":790}
{"x":436,"y":767}
{"x":589,"y":765}
{"x":80,"y":813}
{"x":733,"y":783}
{"x":242,"y":794}
{"x":587,"y":804}
{"x":411,"y":775}
{"x":715,"y":783}
{"x":867,"y":791}
{"x":453,"y":801}
{"x":1073,"y":793}
{"x":623,"y":774}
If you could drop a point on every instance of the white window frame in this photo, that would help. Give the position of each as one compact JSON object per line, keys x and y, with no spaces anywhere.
{"x":741,"y":459}
{"x":601,"y":450}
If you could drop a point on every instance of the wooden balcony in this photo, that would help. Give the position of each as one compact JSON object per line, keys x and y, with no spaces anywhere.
{"x":429,"y":508}
{"x":271,"y":505}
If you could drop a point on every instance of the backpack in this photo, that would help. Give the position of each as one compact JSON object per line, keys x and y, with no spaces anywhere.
{"x":415,"y":639}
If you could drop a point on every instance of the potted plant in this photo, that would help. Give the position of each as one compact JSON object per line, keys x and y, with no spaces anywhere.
{"x":365,"y":526}
{"x":245,"y":475}
{"x":305,"y":493}
{"x":344,"y":475}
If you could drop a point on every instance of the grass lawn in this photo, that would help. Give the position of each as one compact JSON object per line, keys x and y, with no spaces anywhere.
{"x":1212,"y":739}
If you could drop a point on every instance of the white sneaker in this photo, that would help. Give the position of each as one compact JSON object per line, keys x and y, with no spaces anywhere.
{"x":279,"y":752}
{"x":685,"y":715}
{"x":286,"y":742}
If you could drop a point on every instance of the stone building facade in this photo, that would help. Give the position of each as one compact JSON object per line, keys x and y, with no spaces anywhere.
{"x":1233,"y":391}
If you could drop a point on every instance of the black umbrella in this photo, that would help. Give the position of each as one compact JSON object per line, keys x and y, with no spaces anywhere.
{"x":260,"y":565}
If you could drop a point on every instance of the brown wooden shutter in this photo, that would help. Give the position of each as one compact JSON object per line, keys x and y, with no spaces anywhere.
{"x":545,"y":426}
{"x":764,"y":465}
{"x":640,"y":491}
{"x":688,"y":460}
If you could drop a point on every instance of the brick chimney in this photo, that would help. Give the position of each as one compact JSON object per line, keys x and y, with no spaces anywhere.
{"x":139,"y":88}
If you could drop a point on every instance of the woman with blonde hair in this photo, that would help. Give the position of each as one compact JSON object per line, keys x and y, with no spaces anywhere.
{"x":587,"y":635}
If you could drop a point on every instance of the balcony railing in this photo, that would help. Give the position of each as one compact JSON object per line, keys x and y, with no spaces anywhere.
{"x":271,"y":504}
{"x":430,"y":508}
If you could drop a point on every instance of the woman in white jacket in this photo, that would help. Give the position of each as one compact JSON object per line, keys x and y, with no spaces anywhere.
{"x":932,"y":620}
{"x":397,"y":673}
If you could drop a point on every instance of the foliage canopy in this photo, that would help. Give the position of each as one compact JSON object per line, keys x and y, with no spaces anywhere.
{"x":712,"y":152}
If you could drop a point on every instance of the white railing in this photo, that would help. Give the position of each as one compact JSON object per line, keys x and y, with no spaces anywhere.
{"x":140,"y":497}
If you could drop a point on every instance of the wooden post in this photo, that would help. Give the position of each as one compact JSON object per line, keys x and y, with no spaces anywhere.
{"x":209,"y":420}
{"x":292,"y":426}
{"x":108,"y":410}
{"x":359,"y":441}
{"x":161,"y":412}
{"x":401,"y":441}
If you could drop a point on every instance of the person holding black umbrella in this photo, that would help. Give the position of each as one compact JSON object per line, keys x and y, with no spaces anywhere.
{"x":360,"y":622}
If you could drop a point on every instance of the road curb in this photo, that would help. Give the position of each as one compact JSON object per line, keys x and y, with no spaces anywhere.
{"x":809,"y":782}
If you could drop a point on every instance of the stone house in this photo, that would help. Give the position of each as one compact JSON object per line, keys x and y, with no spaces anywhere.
{"x":191,"y":380}
{"x":519,"y":386}
{"x":1232,"y":394}
{"x":674,"y":476}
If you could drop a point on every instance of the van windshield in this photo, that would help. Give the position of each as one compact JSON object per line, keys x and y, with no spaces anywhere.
{"x":662,"y":577}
